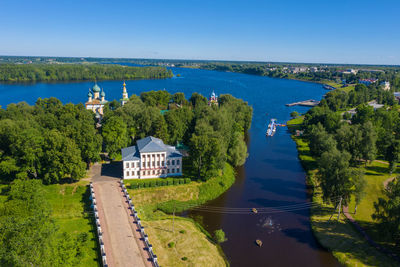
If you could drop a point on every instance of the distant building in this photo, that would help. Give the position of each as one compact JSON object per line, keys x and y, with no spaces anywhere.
{"x":125,"y":97}
{"x":213,"y":100}
{"x":350,"y":71}
{"x":96,"y":100}
{"x":151,"y":158}
{"x":385,"y":85}
{"x":297,"y":69}
{"x":397,"y":96}
{"x":367,"y":81}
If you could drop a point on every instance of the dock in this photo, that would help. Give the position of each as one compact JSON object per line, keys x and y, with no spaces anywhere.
{"x":305,"y":103}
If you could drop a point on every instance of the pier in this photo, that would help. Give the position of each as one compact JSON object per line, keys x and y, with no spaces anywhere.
{"x":305,"y":103}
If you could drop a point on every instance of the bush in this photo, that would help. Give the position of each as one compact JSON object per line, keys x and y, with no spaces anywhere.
{"x":170,"y":182}
{"x":176,"y":181}
{"x":182,"y":231}
{"x":181,"y":181}
{"x":153,"y":183}
{"x":184,"y":258}
{"x":187,"y":180}
{"x":219,"y":236}
{"x":171,"y":244}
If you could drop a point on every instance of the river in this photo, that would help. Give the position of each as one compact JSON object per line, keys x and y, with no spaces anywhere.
{"x":271,"y":177}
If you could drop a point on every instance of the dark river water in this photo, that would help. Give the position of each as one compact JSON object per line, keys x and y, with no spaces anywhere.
{"x":271,"y":177}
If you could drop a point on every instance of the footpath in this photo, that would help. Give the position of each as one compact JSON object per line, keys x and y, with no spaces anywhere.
{"x":122,"y":243}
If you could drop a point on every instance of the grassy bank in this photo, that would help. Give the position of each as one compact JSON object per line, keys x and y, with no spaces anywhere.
{"x":190,"y":240}
{"x":340,"y":237}
{"x":72,"y":214}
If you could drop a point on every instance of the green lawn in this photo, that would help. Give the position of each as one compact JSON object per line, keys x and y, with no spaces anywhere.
{"x":339,"y":86}
{"x":341,"y":238}
{"x":195,"y":244}
{"x":72,"y":214}
{"x":296,"y":121}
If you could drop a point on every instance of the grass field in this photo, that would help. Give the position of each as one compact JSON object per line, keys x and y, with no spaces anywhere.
{"x":339,"y":86}
{"x":70,"y":203}
{"x":195,"y":243}
{"x":340,"y":237}
{"x":188,"y":241}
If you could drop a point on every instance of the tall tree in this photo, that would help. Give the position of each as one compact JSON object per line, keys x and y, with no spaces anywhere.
{"x":115,"y":135}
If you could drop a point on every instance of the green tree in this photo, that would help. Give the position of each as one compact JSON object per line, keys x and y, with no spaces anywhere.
{"x":237,"y":151}
{"x":115,"y":135}
{"x":368,"y":142}
{"x":294,"y":114}
{"x":219,"y":236}
{"x":387,"y":212}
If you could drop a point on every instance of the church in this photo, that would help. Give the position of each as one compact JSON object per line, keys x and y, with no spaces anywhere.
{"x":96,"y":100}
{"x":151,"y":158}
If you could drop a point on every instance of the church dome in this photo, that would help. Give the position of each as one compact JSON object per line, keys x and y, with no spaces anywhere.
{"x":96,"y":88}
{"x":89,"y":94}
{"x":102,"y":93}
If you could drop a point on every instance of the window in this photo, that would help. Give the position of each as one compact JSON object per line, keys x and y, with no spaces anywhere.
{"x":148,"y":155}
{"x":127,"y":165}
{"x":138,"y":173}
{"x":163,"y":171}
{"x":173,"y":171}
{"x":168,"y":171}
{"x":154,"y":163}
{"x":158,"y":163}
{"x":148,"y":172}
{"x":138,"y":164}
{"x":177,"y":162}
{"x":177,"y":170}
{"x":148,"y":164}
{"x":167,"y":162}
{"x":144,"y":164}
{"x":154,"y":172}
{"x":143,"y":173}
{"x":162,"y":163}
{"x":127,"y":174}
{"x":173,"y":162}
{"x":133,"y":165}
{"x":133,"y":173}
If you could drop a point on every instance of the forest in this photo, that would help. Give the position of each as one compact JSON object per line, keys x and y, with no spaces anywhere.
{"x":78,"y":72}
{"x":213,"y":134}
{"x":342,"y":143}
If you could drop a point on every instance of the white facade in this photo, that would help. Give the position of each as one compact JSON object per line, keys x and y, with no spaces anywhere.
{"x":151,"y":158}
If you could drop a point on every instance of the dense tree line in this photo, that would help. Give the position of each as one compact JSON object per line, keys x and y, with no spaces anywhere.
{"x":29,"y":236}
{"x":341,"y":142}
{"x":48,"y":141}
{"x":78,"y":72}
{"x":214,"y":134}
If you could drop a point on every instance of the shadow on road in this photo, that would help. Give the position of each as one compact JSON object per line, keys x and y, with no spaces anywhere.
{"x":112,"y":170}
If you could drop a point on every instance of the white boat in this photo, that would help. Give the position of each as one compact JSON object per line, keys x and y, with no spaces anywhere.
{"x":271,"y":128}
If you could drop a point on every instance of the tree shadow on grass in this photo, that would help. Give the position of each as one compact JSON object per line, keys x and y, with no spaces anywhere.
{"x":89,"y":215}
{"x":340,"y":236}
{"x":378,"y":169}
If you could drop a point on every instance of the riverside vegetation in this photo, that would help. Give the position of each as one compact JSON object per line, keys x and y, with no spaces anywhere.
{"x":339,"y":159}
{"x":78,"y":72}
{"x":46,"y":148}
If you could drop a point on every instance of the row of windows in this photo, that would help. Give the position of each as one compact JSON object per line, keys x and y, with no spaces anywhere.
{"x":154,"y":155}
{"x":153,"y":163}
{"x":152,"y":172}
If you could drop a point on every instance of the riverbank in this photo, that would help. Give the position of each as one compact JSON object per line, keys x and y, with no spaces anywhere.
{"x":155,"y":206}
{"x":340,"y":237}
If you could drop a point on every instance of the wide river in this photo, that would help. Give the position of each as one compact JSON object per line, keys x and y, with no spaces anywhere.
{"x":271,"y":177}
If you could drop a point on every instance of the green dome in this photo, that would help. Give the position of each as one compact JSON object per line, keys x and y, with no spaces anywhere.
{"x":89,"y":94}
{"x":96,"y":88}
{"x":102,"y":93}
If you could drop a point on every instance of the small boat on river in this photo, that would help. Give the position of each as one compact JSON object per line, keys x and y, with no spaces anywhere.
{"x":271,"y":128}
{"x":259,"y":242}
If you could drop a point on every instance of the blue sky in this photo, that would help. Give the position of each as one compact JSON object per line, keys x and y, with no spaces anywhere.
{"x":328,"y":31}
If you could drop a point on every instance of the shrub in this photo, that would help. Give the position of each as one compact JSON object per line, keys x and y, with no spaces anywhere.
{"x":182,"y":231}
{"x":187,"y":180}
{"x":181,"y":181}
{"x":164,"y":182}
{"x":176,"y":181}
{"x":219,"y":236}
{"x":153,"y":183}
{"x":170,"y":182}
{"x":171,"y":244}
{"x":184,"y":258}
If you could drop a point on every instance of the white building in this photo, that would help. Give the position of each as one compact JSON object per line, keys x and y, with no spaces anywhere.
{"x":151,"y":158}
{"x":125,"y":97}
{"x":385,"y":85}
